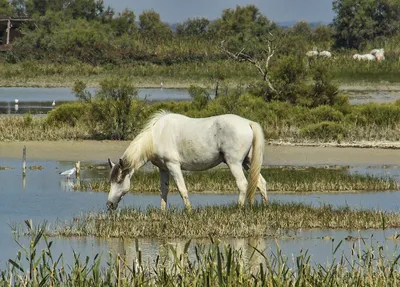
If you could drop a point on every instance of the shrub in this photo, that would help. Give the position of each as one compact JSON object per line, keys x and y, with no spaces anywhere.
{"x":324,"y":131}
{"x":69,"y":113}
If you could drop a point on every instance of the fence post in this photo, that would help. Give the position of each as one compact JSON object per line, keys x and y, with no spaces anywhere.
{"x":24,"y":161}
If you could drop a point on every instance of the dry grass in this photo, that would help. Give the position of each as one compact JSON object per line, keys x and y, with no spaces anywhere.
{"x":225,"y":221}
{"x":284,"y":179}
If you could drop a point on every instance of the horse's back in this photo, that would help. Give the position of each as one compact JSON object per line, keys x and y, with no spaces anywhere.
{"x":200,"y":143}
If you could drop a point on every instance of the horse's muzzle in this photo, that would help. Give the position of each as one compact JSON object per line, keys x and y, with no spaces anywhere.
{"x":111,"y":206}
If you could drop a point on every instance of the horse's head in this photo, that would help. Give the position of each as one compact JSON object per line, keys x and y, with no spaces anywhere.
{"x":120,"y":179}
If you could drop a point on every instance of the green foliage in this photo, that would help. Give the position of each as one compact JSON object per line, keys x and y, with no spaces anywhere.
{"x":124,"y":23}
{"x":5,"y":8}
{"x":242,"y":28}
{"x":151,"y":27}
{"x":69,"y":113}
{"x":358,"y":22}
{"x":323,"y":91}
{"x":374,"y":114}
{"x":197,"y":27}
{"x":28,"y":119}
{"x":79,"y":89}
{"x":325,"y":131}
{"x":200,"y":97}
{"x":113,"y":108}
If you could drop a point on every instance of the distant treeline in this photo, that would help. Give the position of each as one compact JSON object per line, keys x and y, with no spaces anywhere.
{"x":65,"y":31}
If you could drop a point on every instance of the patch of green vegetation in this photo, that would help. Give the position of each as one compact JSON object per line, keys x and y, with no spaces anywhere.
{"x":5,"y":168}
{"x":225,"y":221}
{"x":214,"y":264}
{"x":35,"y":167}
{"x":285,"y":179}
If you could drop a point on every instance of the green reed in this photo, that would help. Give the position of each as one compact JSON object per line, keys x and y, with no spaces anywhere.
{"x":279,"y":179}
{"x":214,"y":264}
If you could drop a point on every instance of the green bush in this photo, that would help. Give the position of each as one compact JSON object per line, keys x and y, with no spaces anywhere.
{"x":69,"y":113}
{"x":324,"y":131}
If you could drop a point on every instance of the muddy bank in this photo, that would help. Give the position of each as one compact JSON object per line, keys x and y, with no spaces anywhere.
{"x":274,"y":154}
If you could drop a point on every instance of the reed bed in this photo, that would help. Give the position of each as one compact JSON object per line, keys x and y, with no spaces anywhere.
{"x":42,"y":74}
{"x":224,"y":221}
{"x":212,"y":265}
{"x":26,"y":128}
{"x":279,"y":179}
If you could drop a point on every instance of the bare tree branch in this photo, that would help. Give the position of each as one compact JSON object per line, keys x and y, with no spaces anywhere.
{"x":243,"y":57}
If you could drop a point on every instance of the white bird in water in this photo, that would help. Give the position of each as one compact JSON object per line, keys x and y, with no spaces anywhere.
{"x":162,"y":85}
{"x":69,"y":172}
{"x":54,"y":103}
{"x":16,"y":101}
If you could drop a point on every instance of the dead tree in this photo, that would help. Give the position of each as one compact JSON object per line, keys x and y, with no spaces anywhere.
{"x":263,"y":68}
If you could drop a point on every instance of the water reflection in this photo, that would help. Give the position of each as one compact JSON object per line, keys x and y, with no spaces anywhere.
{"x":67,"y":184}
{"x":323,"y":247}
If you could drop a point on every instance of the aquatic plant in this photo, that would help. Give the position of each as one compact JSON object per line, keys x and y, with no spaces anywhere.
{"x":214,"y":264}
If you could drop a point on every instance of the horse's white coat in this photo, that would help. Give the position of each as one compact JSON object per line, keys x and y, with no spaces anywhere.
{"x":379,"y":54}
{"x":175,"y":142}
{"x":326,"y":54}
{"x":312,"y":53}
{"x":365,"y":57}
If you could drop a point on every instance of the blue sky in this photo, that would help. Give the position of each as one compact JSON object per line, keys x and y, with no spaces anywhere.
{"x":173,"y":11}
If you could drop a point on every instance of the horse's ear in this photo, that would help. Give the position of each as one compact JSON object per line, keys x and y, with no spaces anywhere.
{"x":121,"y":163}
{"x":111,"y":163}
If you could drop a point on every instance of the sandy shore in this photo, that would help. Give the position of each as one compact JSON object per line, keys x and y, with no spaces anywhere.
{"x":274,"y":154}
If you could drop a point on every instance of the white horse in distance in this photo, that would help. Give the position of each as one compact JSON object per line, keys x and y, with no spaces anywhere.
{"x":379,"y":54}
{"x":174,"y":142}
{"x":365,"y":57}
{"x":312,"y":54}
{"x":325,"y":54}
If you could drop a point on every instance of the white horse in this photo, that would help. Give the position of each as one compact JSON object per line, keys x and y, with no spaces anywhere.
{"x":174,"y":142}
{"x":312,"y":53}
{"x":326,"y":54}
{"x":365,"y":57}
{"x":379,"y":54}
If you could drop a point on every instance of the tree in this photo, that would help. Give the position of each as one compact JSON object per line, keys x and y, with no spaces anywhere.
{"x":125,"y":23}
{"x":243,"y":27}
{"x":193,"y":27}
{"x":301,"y":28}
{"x":5,"y":8}
{"x":151,"y":27}
{"x":358,"y":22}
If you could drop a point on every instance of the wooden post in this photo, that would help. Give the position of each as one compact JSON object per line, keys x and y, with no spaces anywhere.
{"x":8,"y":31}
{"x":78,"y":168}
{"x":24,"y":161}
{"x":78,"y":174}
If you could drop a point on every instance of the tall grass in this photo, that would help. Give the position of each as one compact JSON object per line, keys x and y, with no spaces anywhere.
{"x":214,"y":265}
{"x":224,"y":221}
{"x":307,"y":179}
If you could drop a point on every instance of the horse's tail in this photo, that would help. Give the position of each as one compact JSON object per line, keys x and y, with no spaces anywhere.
{"x":256,"y":161}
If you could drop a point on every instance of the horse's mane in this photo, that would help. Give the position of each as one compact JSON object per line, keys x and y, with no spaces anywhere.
{"x":141,"y":148}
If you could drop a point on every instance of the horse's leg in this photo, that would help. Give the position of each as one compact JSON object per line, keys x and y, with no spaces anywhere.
{"x":261,"y":185}
{"x":176,"y":172}
{"x":241,"y":181}
{"x":164,"y":184}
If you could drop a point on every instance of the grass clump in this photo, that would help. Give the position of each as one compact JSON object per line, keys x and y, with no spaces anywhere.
{"x":300,"y":179}
{"x":225,"y":221}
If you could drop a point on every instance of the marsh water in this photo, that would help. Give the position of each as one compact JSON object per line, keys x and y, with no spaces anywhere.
{"x":44,"y":195}
{"x":40,"y":100}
